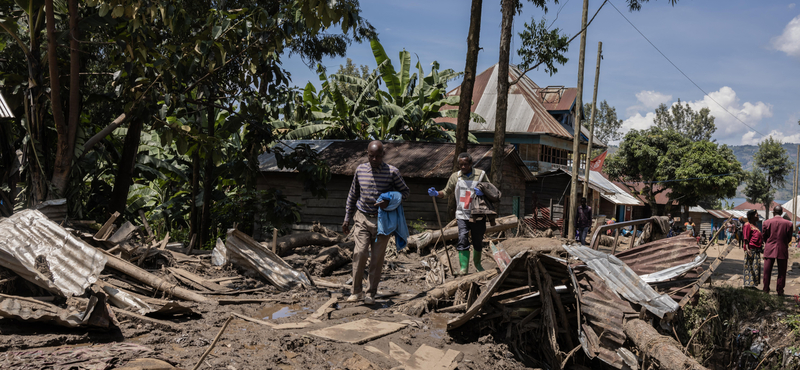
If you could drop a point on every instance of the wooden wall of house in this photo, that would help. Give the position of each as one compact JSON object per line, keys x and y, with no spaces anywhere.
{"x":607,"y":208}
{"x":330,"y":211}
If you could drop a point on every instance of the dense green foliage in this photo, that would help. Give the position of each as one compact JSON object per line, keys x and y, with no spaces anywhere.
{"x":770,"y":171}
{"x":693,"y":172}
{"x":606,"y":123}
{"x":192,"y":86}
{"x":696,"y":125}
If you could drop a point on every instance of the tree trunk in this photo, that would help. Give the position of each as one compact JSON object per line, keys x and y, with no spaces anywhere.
{"x":194,"y":217}
{"x":34,"y":117}
{"x":470,"y":70}
{"x":661,"y":348}
{"x":507,"y":7}
{"x":63,"y":151}
{"x":124,"y":178}
{"x":208,"y":179}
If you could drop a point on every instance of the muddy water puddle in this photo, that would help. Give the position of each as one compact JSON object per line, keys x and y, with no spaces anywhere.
{"x":275,"y":312}
{"x":438,"y":325}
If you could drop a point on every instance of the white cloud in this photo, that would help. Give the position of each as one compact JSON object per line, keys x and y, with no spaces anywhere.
{"x":648,"y":100}
{"x":791,"y":6}
{"x":652,"y":99}
{"x":729,"y":129}
{"x":727,"y":125}
{"x":789,"y":41}
{"x":750,"y":137}
{"x":638,"y":121}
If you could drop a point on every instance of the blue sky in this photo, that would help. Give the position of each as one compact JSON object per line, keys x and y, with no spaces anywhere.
{"x":745,"y":54}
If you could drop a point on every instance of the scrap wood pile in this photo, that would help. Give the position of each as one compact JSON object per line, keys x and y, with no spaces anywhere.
{"x":576,"y":305}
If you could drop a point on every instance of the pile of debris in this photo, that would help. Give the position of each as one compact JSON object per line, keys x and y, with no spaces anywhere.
{"x":546,"y":303}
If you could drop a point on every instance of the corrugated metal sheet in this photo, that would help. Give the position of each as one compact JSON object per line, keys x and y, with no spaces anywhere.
{"x":660,"y":254}
{"x":624,"y":281}
{"x":605,"y":314}
{"x":718,"y":213}
{"x":558,"y":98}
{"x":5,"y":110}
{"x":697,"y":209}
{"x":413,"y":159}
{"x":45,"y":254}
{"x":526,"y":113}
{"x":606,"y":188}
{"x":29,"y":309}
{"x":245,"y":252}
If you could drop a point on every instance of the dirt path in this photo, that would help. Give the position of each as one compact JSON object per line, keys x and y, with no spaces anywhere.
{"x":730,"y":271}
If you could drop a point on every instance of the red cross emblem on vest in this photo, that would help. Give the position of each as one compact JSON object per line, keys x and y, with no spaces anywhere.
{"x":466,"y":199}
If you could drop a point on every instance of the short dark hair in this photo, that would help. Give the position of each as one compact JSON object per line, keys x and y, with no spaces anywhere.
{"x":465,"y":155}
{"x":752,"y":214}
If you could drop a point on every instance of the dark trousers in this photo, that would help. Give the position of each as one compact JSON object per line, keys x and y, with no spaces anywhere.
{"x":584,"y":231}
{"x":477,"y":228}
{"x":781,"y":283}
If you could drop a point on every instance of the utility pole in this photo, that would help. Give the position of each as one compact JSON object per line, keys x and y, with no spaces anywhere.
{"x":576,"y":127}
{"x":794,"y":193}
{"x":591,"y":118}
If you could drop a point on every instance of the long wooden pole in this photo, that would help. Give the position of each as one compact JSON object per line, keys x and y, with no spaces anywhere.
{"x":576,"y":127}
{"x":591,"y":118}
{"x":441,"y":232}
{"x":794,"y":193}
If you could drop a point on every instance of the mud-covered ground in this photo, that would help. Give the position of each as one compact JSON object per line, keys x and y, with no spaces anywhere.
{"x":247,"y":345}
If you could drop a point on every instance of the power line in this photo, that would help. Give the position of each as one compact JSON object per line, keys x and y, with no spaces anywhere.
{"x":684,"y":74}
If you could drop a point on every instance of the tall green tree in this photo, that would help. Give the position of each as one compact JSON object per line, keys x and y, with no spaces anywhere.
{"x":770,"y":168}
{"x":467,"y":85}
{"x":350,"y":69}
{"x":647,"y":157}
{"x":706,"y":172}
{"x":696,"y":125}
{"x":606,"y":123}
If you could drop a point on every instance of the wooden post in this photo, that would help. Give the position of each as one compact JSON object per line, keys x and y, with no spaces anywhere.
{"x":659,"y":347}
{"x":576,"y":125}
{"x":591,"y":118}
{"x":794,"y":193}
{"x":441,"y":232}
{"x":275,"y":240}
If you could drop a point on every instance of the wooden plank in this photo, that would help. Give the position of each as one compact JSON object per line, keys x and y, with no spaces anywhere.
{"x":321,"y":310}
{"x":105,"y":231}
{"x":424,"y":358}
{"x":358,"y":332}
{"x":706,"y":275}
{"x":257,"y":321}
{"x":447,"y":361}
{"x":197,"y":279}
{"x":398,"y":353}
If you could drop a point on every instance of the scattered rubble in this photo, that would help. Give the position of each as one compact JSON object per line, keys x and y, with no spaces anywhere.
{"x":551,"y":305}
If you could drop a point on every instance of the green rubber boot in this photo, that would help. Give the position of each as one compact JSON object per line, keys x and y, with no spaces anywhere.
{"x":476,"y":260}
{"x":463,"y":262}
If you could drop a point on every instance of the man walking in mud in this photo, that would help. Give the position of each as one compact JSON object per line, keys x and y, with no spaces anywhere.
{"x":777,"y":235}
{"x":463,"y":184}
{"x":370,"y":181}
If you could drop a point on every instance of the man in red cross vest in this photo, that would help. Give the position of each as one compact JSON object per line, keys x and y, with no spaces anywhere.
{"x":464,"y":185}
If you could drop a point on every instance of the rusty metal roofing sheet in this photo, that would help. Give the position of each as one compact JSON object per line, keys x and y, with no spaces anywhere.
{"x":624,"y":281}
{"x":5,"y":110}
{"x":413,"y":159}
{"x":558,"y":98}
{"x":660,"y":254}
{"x":718,"y":213}
{"x":44,"y":253}
{"x":29,"y":309}
{"x":604,"y":312}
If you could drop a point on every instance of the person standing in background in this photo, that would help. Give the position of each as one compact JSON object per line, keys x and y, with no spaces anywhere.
{"x":777,"y":235}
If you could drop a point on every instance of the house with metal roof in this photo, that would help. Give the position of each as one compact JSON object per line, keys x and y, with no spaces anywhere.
{"x":540,"y":121}
{"x":422,"y":165}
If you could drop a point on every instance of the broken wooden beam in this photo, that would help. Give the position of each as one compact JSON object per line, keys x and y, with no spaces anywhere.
{"x":418,"y":306}
{"x":659,"y":347}
{"x":423,"y":240}
{"x":153,"y":281}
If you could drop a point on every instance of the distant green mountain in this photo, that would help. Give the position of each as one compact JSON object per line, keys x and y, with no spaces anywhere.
{"x":745,"y":154}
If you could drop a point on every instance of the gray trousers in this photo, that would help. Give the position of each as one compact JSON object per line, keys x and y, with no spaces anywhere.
{"x":365,"y":232}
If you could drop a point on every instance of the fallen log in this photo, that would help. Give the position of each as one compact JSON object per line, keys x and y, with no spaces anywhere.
{"x":420,"y":305}
{"x":328,"y":260}
{"x":423,"y":240}
{"x":153,"y":281}
{"x":320,"y":236}
{"x":659,"y":347}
